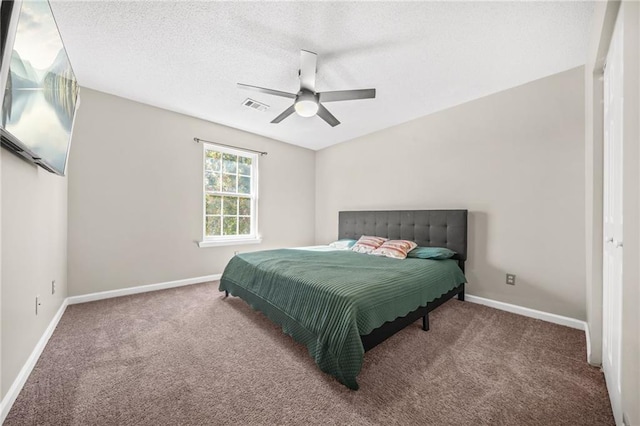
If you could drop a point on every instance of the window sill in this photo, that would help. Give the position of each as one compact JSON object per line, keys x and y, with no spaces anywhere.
{"x":233,"y":242}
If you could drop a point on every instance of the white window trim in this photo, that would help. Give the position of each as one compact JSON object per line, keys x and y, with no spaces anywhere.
{"x":228,"y":240}
{"x":235,"y":242}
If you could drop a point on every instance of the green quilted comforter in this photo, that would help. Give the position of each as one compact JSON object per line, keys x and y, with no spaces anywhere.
{"x":327,"y":299}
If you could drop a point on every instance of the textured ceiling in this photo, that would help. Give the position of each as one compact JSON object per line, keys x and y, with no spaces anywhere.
{"x":421,"y":57}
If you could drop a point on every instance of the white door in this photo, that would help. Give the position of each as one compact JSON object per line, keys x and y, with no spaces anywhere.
{"x":613,"y":245}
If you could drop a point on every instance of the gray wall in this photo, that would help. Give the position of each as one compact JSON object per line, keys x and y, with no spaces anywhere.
{"x":34,"y":252}
{"x":135,"y":195}
{"x":515,"y":159}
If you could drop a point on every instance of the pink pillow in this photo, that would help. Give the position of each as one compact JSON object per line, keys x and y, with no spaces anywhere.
{"x":367,"y":244}
{"x":396,"y":249}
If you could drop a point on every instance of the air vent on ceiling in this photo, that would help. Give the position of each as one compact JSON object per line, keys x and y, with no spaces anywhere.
{"x":259,"y":106}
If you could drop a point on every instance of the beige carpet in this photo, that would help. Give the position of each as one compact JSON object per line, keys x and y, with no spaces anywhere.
{"x":187,"y":356}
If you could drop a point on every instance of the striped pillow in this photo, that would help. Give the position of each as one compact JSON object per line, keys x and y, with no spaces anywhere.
{"x":396,"y":249}
{"x":368,"y":244}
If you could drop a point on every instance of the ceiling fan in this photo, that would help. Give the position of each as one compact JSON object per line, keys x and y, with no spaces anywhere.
{"x":307,"y":101}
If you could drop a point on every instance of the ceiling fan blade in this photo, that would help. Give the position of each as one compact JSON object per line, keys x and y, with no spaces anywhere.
{"x":287,"y":112}
{"x":308,"y":61}
{"x":267,"y":91}
{"x":327,"y":116}
{"x":347,"y":95}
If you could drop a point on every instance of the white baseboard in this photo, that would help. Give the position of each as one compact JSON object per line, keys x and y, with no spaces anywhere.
{"x":23,"y":375}
{"x":588,"y":336}
{"x":140,"y":289}
{"x":528,"y":312}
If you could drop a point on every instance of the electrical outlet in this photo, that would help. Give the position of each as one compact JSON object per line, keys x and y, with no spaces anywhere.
{"x":53,"y":287}
{"x":511,"y":279}
{"x":37,"y":303}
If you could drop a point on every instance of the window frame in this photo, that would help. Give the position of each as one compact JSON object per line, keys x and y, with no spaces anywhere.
{"x":222,"y":240}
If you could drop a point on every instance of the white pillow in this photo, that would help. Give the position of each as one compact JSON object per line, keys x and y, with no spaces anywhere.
{"x":342,"y":244}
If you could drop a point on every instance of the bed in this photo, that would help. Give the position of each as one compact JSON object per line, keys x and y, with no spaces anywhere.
{"x":340,"y":303}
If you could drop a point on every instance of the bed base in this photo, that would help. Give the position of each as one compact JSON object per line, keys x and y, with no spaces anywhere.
{"x":388,"y":329}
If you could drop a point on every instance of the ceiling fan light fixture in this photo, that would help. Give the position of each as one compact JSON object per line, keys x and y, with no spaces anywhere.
{"x":306,"y":105}
{"x":306,"y":108}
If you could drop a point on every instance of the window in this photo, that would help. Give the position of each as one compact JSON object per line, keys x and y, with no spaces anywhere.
{"x":230,"y":196}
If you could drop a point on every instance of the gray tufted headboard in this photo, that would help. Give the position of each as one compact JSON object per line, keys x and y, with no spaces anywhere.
{"x":428,"y":228}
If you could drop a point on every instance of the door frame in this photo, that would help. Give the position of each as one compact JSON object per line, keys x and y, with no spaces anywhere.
{"x":613,"y":214}
{"x":602,"y":30}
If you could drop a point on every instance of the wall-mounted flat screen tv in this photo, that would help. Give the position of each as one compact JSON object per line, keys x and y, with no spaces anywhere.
{"x":41,"y":91}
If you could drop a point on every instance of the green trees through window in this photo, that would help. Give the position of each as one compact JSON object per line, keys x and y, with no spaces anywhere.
{"x":229,"y":193}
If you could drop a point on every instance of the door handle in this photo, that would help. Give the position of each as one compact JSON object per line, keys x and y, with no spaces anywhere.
{"x":618,"y":244}
{"x":609,"y":240}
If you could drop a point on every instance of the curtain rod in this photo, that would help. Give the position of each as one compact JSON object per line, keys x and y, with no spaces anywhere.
{"x":198,"y":140}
